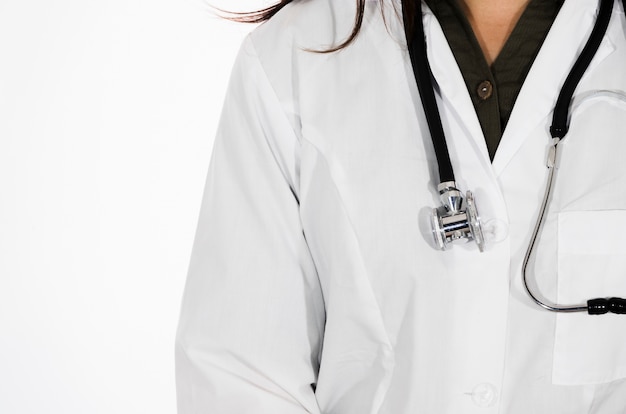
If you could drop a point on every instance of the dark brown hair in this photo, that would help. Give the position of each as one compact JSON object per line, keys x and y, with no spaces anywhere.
{"x":409,"y":8}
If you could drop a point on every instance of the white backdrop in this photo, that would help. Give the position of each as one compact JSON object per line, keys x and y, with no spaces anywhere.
{"x":107,"y":114}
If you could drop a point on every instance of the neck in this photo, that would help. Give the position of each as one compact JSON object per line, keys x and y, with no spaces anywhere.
{"x":492,"y":22}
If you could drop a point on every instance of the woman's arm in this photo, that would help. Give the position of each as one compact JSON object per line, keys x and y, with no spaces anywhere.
{"x":252,"y":317}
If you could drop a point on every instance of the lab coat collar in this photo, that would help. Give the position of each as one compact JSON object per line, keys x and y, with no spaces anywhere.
{"x":541,"y":87}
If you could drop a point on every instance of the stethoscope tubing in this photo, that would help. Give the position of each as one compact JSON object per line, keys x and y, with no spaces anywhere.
{"x":552,"y":159}
{"x":558,"y":130}
{"x":560,"y":118}
{"x":423,"y":78}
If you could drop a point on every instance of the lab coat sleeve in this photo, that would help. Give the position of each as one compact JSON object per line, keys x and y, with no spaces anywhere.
{"x":252,"y":316}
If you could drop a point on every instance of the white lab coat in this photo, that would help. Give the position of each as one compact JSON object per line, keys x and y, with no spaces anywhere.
{"x":314,"y":286}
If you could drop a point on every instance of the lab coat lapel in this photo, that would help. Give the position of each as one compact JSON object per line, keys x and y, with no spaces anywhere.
{"x":464,"y":136}
{"x":538,"y":95}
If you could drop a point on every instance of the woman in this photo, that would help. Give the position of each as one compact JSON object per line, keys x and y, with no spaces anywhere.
{"x":315,"y":285}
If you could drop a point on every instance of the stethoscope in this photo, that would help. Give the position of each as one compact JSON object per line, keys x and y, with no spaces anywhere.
{"x":457,"y":219}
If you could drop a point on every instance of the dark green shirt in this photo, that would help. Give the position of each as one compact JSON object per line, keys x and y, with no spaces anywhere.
{"x":494,"y":89}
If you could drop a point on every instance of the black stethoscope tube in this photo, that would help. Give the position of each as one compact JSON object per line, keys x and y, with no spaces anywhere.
{"x":558,"y":130}
{"x":423,"y":77}
{"x":560,"y":118}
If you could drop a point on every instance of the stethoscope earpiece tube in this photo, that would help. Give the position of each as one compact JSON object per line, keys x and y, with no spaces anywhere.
{"x":558,"y":130}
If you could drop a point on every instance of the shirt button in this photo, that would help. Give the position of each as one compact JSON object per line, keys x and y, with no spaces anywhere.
{"x":484,"y":395}
{"x":484,"y":90}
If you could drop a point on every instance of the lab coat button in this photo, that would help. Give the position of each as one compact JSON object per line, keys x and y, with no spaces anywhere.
{"x":484,"y":395}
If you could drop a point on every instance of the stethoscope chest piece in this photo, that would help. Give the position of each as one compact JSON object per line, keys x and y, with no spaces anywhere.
{"x":457,"y":220}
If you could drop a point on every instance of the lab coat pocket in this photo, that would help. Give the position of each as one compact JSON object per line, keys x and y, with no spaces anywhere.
{"x":591,"y":264}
